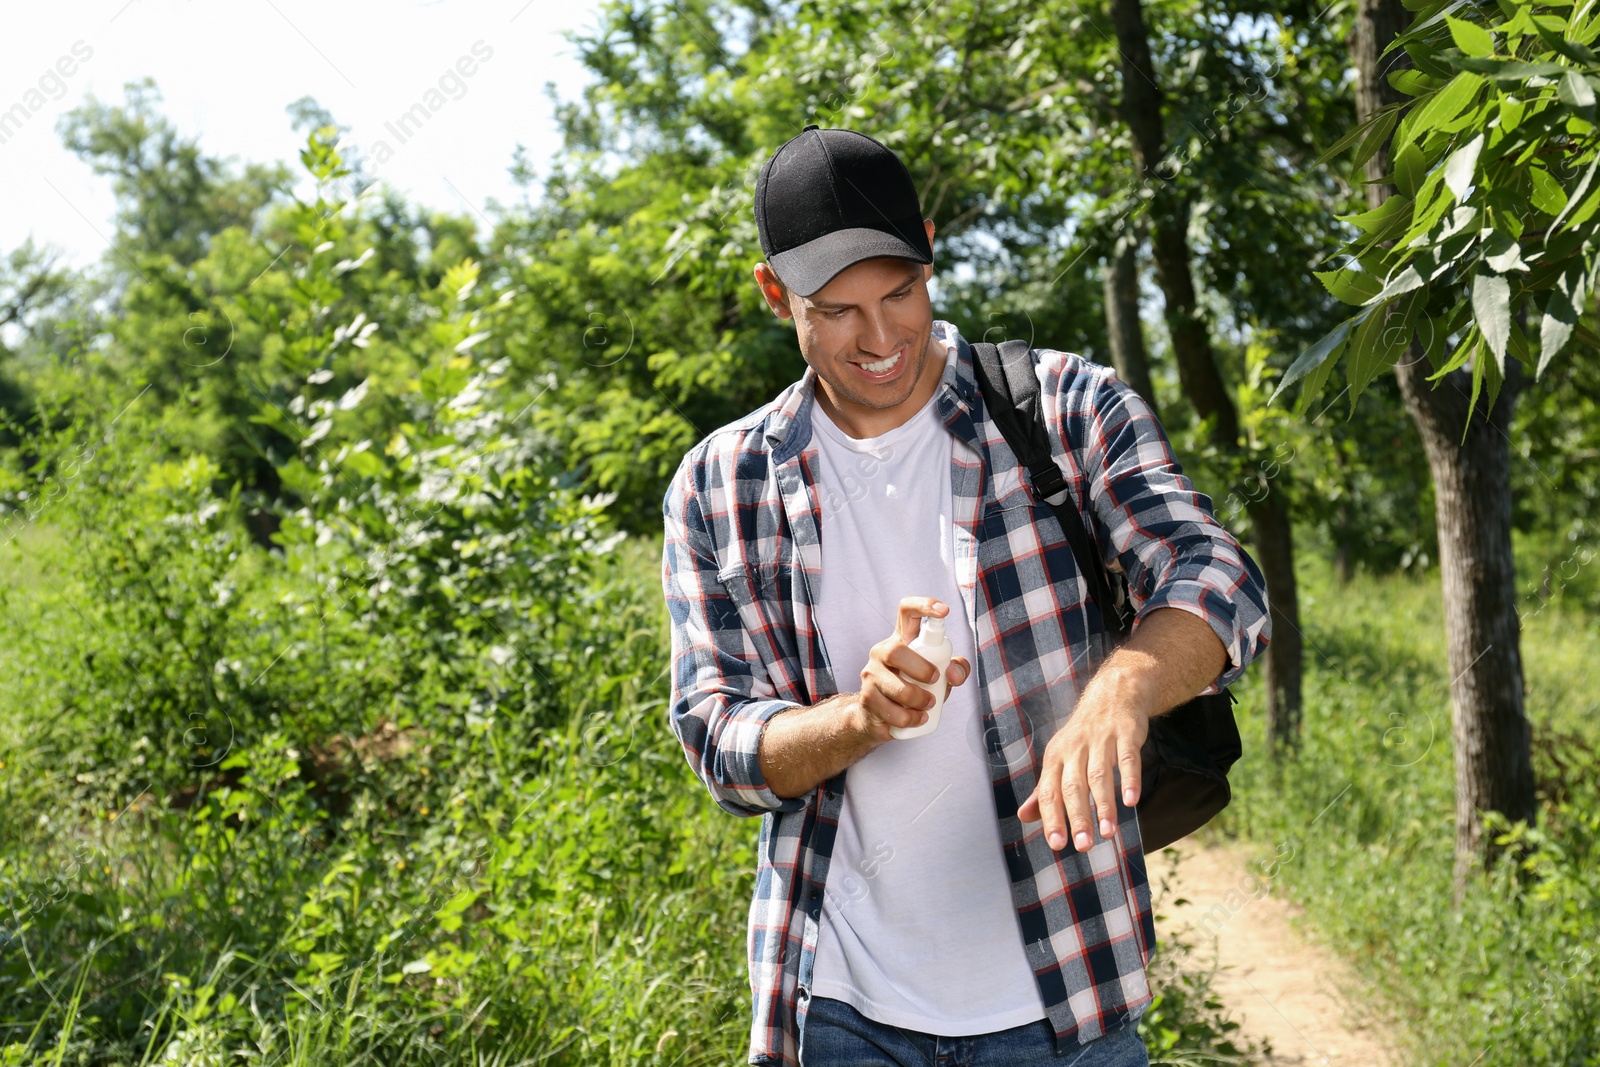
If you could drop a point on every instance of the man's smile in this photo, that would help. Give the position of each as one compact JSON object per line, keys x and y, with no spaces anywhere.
{"x":882,"y":370}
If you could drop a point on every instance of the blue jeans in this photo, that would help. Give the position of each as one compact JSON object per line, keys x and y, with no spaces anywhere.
{"x":834,"y":1034}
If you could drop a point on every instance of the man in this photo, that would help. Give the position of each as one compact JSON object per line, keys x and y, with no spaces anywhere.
{"x":977,"y":893}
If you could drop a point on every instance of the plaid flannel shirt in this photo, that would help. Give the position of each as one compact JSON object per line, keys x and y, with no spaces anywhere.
{"x":741,"y":572}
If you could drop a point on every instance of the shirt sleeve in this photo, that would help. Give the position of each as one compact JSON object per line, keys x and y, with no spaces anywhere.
{"x":1162,"y":530}
{"x":721,"y":695}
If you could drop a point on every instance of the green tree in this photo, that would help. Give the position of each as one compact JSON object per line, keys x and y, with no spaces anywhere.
{"x":196,"y":242}
{"x":1480,"y":241}
{"x":172,"y":197}
{"x":33,"y":287}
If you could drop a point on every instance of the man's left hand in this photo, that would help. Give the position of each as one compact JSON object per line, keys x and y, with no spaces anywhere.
{"x":1171,"y":655}
{"x":1101,"y":737}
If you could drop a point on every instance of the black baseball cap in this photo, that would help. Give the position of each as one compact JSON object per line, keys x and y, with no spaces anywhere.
{"x":828,"y":199}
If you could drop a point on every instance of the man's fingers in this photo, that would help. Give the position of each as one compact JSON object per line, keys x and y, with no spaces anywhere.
{"x":908,"y":621}
{"x":1075,"y":791}
{"x":1102,"y":786}
{"x":1029,"y":811}
{"x":958,"y":671}
{"x":895,"y":700}
{"x":1054,"y":808}
{"x":887,"y":710}
{"x":1079,"y":781}
{"x":1131,"y":765}
{"x":886,"y":675}
{"x":901,"y":658}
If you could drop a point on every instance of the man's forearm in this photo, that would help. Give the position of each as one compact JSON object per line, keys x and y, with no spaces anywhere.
{"x":1171,"y":656}
{"x":804,"y":747}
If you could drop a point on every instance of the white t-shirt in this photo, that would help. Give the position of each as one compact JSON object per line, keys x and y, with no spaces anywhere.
{"x":918,"y":929}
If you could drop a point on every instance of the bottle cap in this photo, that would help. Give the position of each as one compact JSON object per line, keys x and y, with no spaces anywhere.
{"x":932,"y":626}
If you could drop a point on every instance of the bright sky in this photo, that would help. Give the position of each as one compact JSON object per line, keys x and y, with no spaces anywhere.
{"x":470,"y":74}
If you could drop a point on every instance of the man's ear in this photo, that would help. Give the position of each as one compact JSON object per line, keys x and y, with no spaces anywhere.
{"x":927,"y":269}
{"x":773,"y":291}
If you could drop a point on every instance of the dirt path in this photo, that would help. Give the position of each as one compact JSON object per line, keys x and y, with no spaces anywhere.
{"x":1276,"y":983}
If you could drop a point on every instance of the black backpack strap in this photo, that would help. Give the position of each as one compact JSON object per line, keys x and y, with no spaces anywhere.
{"x":1011,"y":394}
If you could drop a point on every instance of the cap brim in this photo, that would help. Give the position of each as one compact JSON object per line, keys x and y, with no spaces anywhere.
{"x":811,"y":266}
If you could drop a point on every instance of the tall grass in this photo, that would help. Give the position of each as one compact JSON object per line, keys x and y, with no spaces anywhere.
{"x":521,"y":892}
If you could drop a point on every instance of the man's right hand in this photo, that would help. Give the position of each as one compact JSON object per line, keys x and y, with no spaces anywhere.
{"x":800,"y":748}
{"x":886,"y":700}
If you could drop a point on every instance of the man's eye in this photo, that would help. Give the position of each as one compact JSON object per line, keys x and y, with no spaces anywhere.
{"x":839,"y":314}
{"x":901,"y":294}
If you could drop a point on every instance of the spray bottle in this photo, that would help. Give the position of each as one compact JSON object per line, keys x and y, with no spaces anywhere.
{"x":933,"y":645}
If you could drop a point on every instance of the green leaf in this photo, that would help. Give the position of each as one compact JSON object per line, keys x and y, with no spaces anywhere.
{"x":1363,"y":362}
{"x":1377,"y":133}
{"x":1461,"y":166}
{"x":1432,"y":331}
{"x":1384,"y":120}
{"x":1457,"y":359}
{"x":1402,"y":283}
{"x":1576,"y":93}
{"x":1584,"y":212}
{"x":1379,"y":340}
{"x":1518,"y":346}
{"x":1491,"y":310}
{"x":1512,"y":112}
{"x":363,"y":464}
{"x":1570,"y":49}
{"x":1515,"y":71}
{"x":1437,"y":201}
{"x":1424,"y":53}
{"x":1472,"y":39}
{"x":1475,"y":117}
{"x":1502,"y":253}
{"x":1382,"y":217}
{"x":1480,"y":367}
{"x":1312,"y":384}
{"x":1548,"y":196}
{"x":1449,"y":102}
{"x":1350,"y":286}
{"x":1561,"y":312}
{"x":1577,"y":194}
{"x":1518,"y":22}
{"x":1323,"y":352}
{"x":1412,"y":82}
{"x":1410,"y":168}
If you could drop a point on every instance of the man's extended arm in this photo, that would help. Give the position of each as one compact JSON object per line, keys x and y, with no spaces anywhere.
{"x":1196,"y":590}
{"x":1170,"y":657}
{"x":803,"y":747}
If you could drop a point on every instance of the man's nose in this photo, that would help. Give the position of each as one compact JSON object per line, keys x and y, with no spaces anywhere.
{"x":878,"y":336}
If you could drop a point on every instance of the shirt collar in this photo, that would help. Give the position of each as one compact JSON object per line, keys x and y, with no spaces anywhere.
{"x":789,"y":427}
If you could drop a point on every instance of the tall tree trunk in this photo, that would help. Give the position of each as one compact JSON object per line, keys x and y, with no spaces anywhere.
{"x":1202,"y":379}
{"x":1275,"y":553}
{"x":1128,"y":353}
{"x":1472,"y":491}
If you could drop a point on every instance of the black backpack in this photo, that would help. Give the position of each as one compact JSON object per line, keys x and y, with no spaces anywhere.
{"x":1189,"y":750}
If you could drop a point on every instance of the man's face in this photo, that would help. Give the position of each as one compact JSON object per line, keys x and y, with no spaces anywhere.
{"x":868,"y":335}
